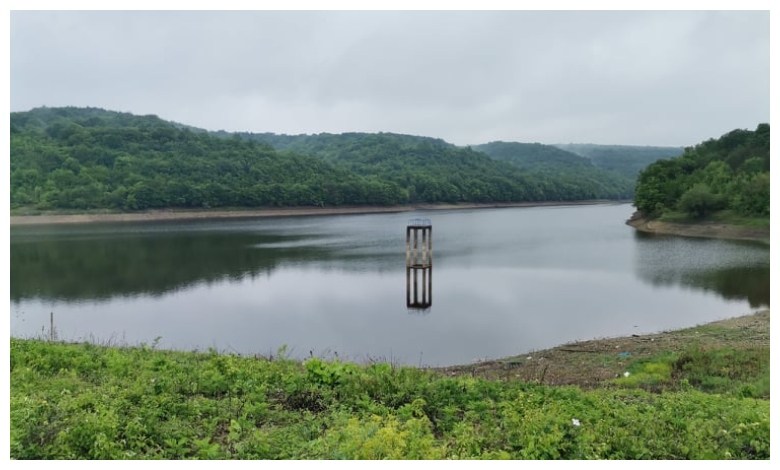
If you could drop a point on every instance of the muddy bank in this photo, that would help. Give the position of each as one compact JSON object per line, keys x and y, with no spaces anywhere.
{"x":591,"y":363}
{"x":170,"y":214}
{"x":704,"y":229}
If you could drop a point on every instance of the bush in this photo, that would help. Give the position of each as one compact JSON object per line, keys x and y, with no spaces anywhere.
{"x":80,"y":401}
{"x":700,"y":201}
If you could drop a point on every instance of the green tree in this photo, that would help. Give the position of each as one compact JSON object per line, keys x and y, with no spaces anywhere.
{"x":700,"y":201}
{"x":731,"y":172}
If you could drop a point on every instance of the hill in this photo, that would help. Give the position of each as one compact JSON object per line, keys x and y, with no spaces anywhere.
{"x":568,"y":171}
{"x":627,"y":160}
{"x":729,"y":173}
{"x":89,"y":158}
{"x":432,"y":169}
{"x":85,"y":158}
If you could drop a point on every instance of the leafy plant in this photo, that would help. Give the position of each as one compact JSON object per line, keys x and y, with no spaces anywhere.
{"x":81,"y":401}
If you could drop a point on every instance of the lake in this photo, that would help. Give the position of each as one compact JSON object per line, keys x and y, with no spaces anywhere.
{"x":503,"y":282}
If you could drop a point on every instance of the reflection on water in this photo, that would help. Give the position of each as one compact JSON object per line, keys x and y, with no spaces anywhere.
{"x":89,"y":263}
{"x":734,"y":270}
{"x":419,"y":265}
{"x":507,"y":281}
{"x":419,"y":288}
{"x":102,"y":268}
{"x":81,"y":265}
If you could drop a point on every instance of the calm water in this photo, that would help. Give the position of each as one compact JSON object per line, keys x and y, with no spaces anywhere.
{"x":504,"y":282}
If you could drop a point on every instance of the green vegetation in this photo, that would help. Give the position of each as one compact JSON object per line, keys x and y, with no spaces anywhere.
{"x":627,"y":160}
{"x":725,"y":216}
{"x":726,"y":371}
{"x":430,"y":170}
{"x":730,"y":173}
{"x":77,"y":158}
{"x":74,"y":401}
{"x":86,"y":159}
{"x":571,"y":173}
{"x":433,"y":170}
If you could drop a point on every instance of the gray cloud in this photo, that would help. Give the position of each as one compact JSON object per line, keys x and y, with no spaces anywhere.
{"x":654,"y":78}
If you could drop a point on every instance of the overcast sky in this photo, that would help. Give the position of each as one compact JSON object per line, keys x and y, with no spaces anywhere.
{"x":638,"y":78}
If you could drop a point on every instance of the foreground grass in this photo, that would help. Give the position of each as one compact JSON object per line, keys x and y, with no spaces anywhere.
{"x":72,"y":401}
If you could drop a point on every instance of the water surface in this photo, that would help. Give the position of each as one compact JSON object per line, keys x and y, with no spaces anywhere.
{"x":504,"y":281}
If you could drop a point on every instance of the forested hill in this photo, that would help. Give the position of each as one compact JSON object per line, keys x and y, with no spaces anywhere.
{"x":87,"y":158}
{"x":566,"y":169}
{"x":731,"y":172}
{"x":431,"y":170}
{"x":628,"y":160}
{"x":76,"y":158}
{"x":533,"y":155}
{"x":447,"y":168}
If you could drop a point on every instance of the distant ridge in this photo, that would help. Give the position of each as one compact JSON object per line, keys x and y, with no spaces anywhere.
{"x":83,"y":158}
{"x":628,"y":160}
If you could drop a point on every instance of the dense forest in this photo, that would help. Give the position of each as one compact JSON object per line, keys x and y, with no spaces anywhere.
{"x":89,"y":158}
{"x":403,"y":157}
{"x":571,"y":173}
{"x":78,"y":158}
{"x":553,"y":173}
{"x":627,"y":160}
{"x":731,"y":172}
{"x":431,"y":170}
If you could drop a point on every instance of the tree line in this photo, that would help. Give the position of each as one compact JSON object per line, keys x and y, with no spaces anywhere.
{"x":74,"y":158}
{"x":90,"y":158}
{"x":731,"y":172}
{"x":453,"y":174}
{"x":627,"y":160}
{"x":565,"y":173}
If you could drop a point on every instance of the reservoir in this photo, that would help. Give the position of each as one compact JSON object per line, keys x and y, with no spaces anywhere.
{"x":503,"y":282}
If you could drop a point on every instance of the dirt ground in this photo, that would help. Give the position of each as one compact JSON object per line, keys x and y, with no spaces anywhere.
{"x":704,"y":229}
{"x":590,"y":363}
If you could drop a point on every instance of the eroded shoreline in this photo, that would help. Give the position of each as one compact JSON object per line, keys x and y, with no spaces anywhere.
{"x":700,"y":230}
{"x":161,"y":215}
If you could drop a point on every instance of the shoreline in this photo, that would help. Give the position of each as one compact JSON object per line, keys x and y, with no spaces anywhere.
{"x":589,"y":363}
{"x":700,"y":230}
{"x":592,"y":363}
{"x":171,"y":214}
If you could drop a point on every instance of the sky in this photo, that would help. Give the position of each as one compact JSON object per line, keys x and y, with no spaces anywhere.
{"x":671,"y":78}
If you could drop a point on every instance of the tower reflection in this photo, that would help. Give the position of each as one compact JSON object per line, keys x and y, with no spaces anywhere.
{"x":419,"y":264}
{"x":419,"y":288}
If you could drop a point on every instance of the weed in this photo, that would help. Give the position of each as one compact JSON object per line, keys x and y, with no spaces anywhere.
{"x":84,"y":401}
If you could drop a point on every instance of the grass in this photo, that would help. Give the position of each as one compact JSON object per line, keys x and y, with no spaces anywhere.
{"x":725,"y":371}
{"x":726,"y":217}
{"x":82,"y":401}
